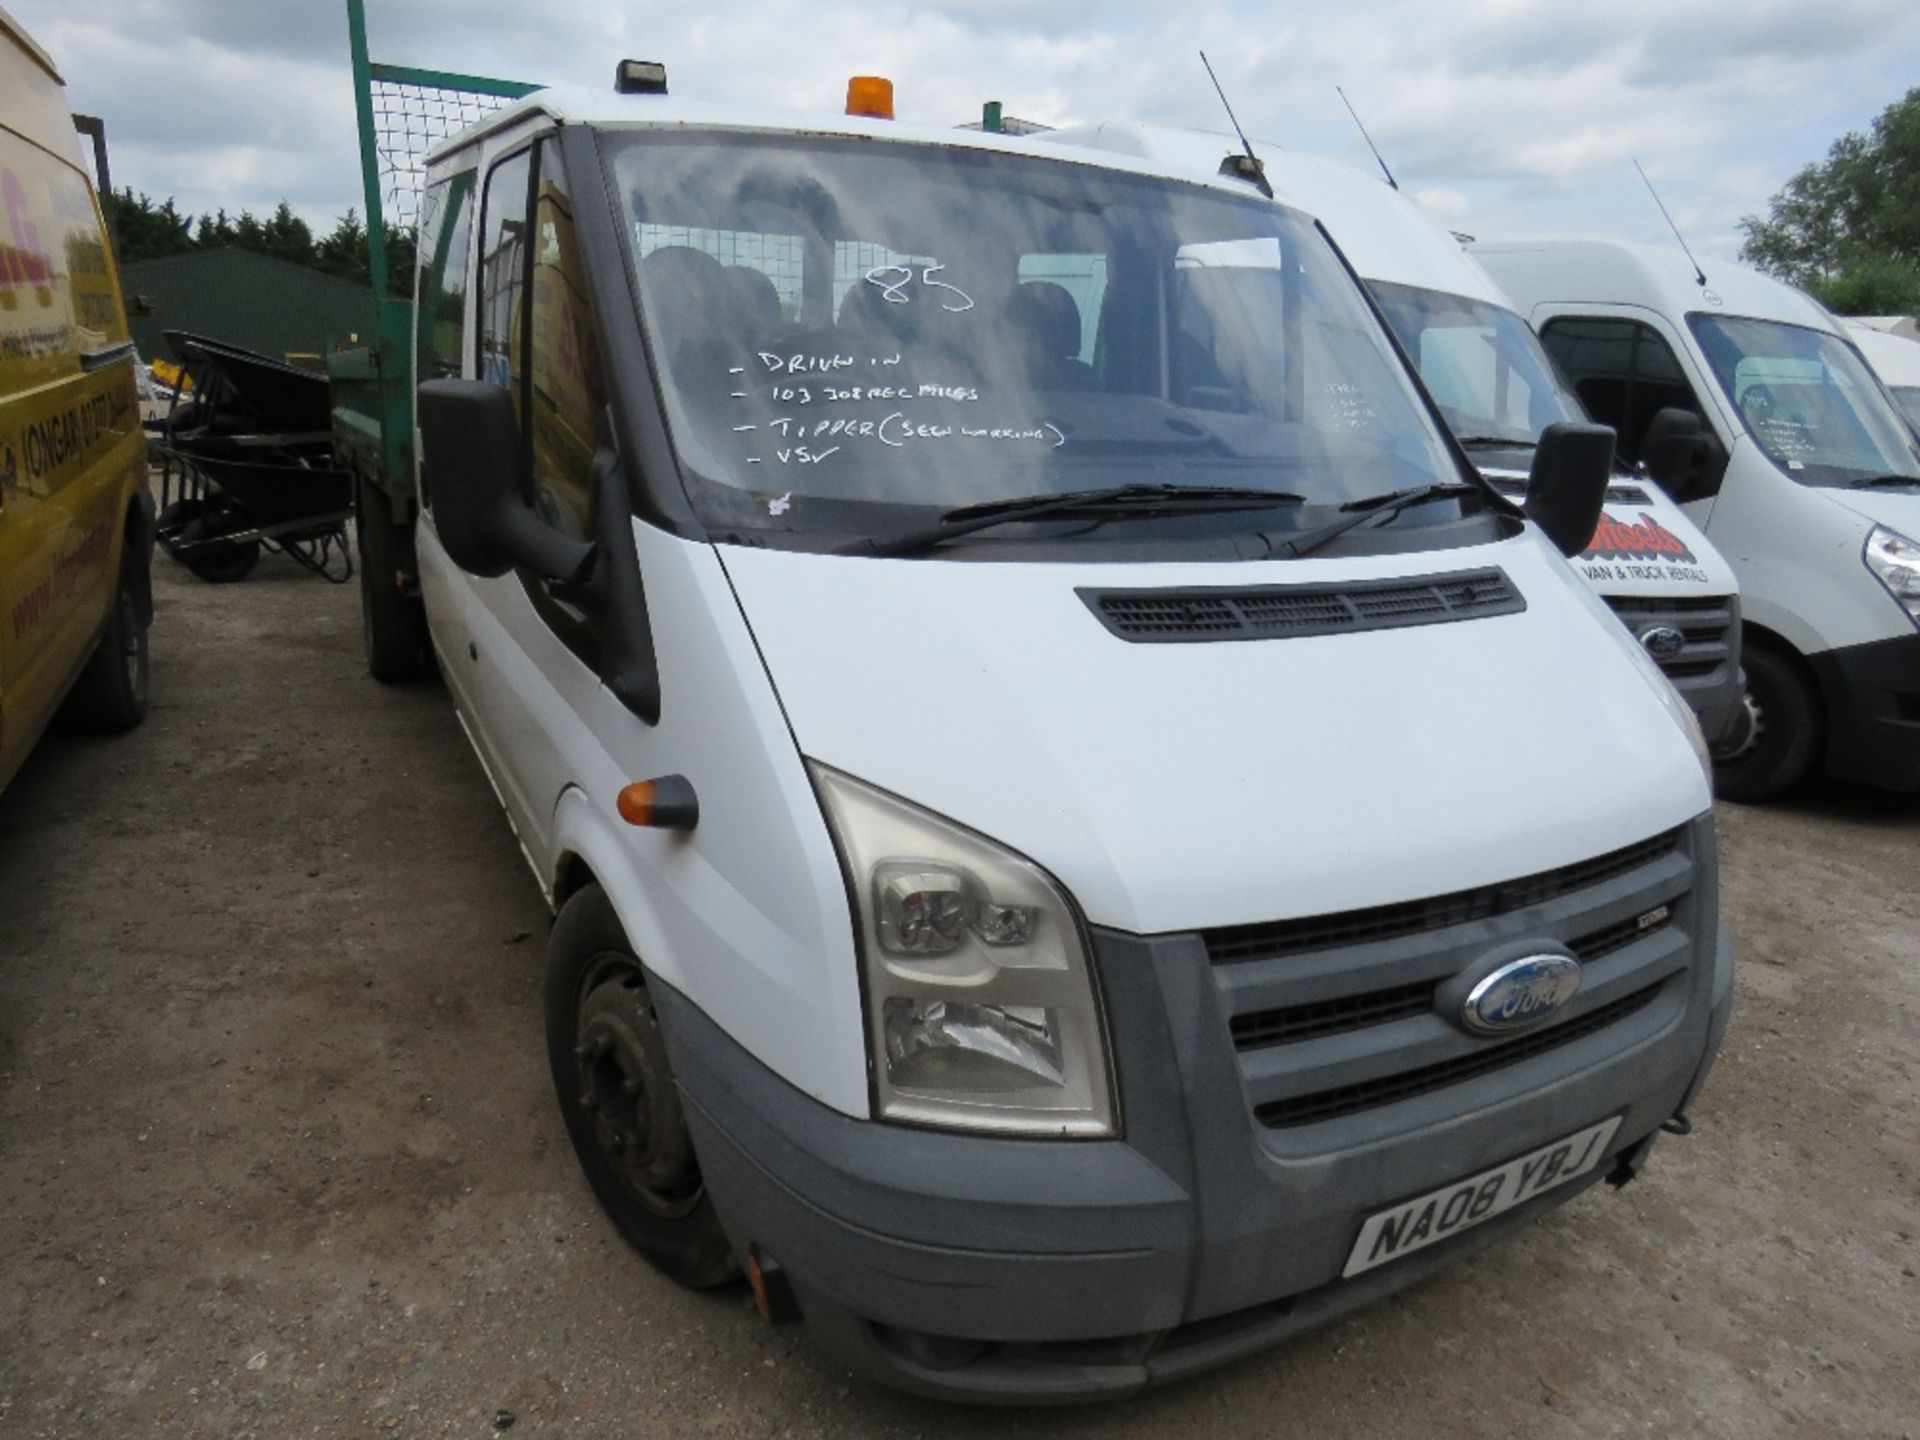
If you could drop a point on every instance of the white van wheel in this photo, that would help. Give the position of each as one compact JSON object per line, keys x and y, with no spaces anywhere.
{"x":614,"y":1081}
{"x":1783,"y":734}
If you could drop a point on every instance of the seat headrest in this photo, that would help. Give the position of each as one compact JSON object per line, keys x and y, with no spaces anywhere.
{"x":1048,"y":316}
{"x":688,"y":291}
{"x":755,"y":297}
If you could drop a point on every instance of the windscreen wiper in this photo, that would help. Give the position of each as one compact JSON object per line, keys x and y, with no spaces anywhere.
{"x":1130,"y":500}
{"x":1374,"y":507}
{"x":1870,"y":482}
{"x":1495,"y":442}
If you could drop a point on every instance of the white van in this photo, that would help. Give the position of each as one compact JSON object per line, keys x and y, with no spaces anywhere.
{"x":1073,"y":820}
{"x":1498,"y":392}
{"x":1746,"y":401}
{"x":1895,"y":358}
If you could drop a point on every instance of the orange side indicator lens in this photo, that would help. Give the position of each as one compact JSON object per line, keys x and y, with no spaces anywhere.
{"x":870,"y":95}
{"x":636,"y":803}
{"x":665,"y":803}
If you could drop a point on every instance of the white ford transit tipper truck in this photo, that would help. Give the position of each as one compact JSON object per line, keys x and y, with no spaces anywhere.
{"x":1498,"y":391}
{"x":1895,"y":358}
{"x":1747,"y":403}
{"x":1086,"y":839}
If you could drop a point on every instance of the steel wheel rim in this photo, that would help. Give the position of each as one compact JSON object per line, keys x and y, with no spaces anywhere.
{"x":1756,"y":728}
{"x":626,"y":1093}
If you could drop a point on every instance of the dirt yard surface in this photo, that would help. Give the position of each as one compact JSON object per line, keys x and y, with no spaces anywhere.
{"x":278,"y":1158}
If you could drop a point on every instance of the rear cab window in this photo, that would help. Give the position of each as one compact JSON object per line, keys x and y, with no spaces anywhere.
{"x":1623,"y":371}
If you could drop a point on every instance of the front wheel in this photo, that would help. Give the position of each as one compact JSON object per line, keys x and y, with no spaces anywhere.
{"x":617,"y":1095}
{"x":111,"y":694}
{"x":1783,"y":733}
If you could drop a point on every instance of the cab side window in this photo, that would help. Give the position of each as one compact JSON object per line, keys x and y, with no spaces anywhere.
{"x":568,"y":395}
{"x":501,"y":344}
{"x":1623,"y":371}
{"x":446,"y":226}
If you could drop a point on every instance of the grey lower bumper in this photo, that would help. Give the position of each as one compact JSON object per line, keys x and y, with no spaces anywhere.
{"x":1070,"y":1270}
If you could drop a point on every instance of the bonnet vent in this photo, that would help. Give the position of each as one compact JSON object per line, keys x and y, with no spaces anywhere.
{"x":1278,"y":612}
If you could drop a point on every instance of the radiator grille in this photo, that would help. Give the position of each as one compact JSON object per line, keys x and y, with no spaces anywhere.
{"x":1295,"y":1023}
{"x":1389,"y":1089}
{"x":1288,"y":937}
{"x":1711,"y":626}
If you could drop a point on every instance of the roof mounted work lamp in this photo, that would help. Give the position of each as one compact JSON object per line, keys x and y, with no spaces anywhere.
{"x":640,"y":77}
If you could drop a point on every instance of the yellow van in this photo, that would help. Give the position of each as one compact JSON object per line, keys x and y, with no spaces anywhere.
{"x":76,"y":520}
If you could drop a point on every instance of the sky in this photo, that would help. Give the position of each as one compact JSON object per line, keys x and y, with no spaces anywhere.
{"x":1504,"y":117}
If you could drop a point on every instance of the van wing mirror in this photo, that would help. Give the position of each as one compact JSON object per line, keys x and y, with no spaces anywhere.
{"x":470,"y":442}
{"x":1683,"y":456}
{"x":1568,"y":484}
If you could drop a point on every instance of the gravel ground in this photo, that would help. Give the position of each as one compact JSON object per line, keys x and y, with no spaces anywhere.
{"x":277,"y":1156}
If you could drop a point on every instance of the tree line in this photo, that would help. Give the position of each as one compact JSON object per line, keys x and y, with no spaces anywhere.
{"x":1847,"y":229}
{"x":147,"y":229}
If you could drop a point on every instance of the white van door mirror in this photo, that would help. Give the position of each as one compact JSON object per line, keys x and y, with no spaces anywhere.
{"x":1683,"y":456}
{"x":470,"y":443}
{"x":1568,"y":483}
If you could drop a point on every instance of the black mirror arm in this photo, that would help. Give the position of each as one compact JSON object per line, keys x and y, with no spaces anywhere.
{"x":553,"y":555}
{"x":617,"y":597}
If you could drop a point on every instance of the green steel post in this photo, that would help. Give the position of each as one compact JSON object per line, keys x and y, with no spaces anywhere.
{"x":990,"y":115}
{"x":369,"y":145}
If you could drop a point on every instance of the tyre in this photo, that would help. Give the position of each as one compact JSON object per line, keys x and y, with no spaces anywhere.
{"x":1784,"y":739}
{"x":614,"y":1081}
{"x":393,"y":624}
{"x":111,"y":694}
{"x":217,"y":563}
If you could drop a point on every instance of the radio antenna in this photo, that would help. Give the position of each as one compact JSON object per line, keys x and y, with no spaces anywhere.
{"x":1247,"y":167}
{"x":1393,"y":183}
{"x":1698,"y":274}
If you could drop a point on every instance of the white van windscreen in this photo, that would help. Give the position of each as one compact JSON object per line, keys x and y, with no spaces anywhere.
{"x":1482,"y":364}
{"x":1808,"y":400}
{"x":840,"y":326}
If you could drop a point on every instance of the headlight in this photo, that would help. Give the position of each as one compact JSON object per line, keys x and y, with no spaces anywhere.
{"x":1896,"y":560}
{"x":980,"y":1001}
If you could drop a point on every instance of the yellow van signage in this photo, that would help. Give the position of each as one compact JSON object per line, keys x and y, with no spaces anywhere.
{"x":74,"y":430}
{"x":58,"y":291}
{"x":70,"y":568}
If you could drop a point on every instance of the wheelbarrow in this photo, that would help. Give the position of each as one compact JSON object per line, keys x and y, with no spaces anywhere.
{"x":246,"y":460}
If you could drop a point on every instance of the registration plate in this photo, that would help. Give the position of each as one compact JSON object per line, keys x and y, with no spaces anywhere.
{"x":1427,"y":1219}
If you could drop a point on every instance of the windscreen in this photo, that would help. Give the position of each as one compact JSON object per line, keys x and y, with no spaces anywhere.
{"x":844,"y":328}
{"x":1808,"y":399}
{"x":1483,"y":366}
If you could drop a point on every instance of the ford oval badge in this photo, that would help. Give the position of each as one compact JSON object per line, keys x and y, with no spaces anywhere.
{"x":1520,"y":993}
{"x":1663,"y":642}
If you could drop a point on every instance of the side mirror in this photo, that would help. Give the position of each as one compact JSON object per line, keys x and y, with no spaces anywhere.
{"x":1683,"y":456}
{"x":1568,"y":484}
{"x":470,"y":441}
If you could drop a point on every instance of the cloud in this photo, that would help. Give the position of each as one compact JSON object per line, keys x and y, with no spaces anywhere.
{"x":1515,"y":114}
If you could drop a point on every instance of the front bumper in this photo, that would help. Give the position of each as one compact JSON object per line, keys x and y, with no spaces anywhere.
{"x":1871,"y":694}
{"x":1004,"y":1270}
